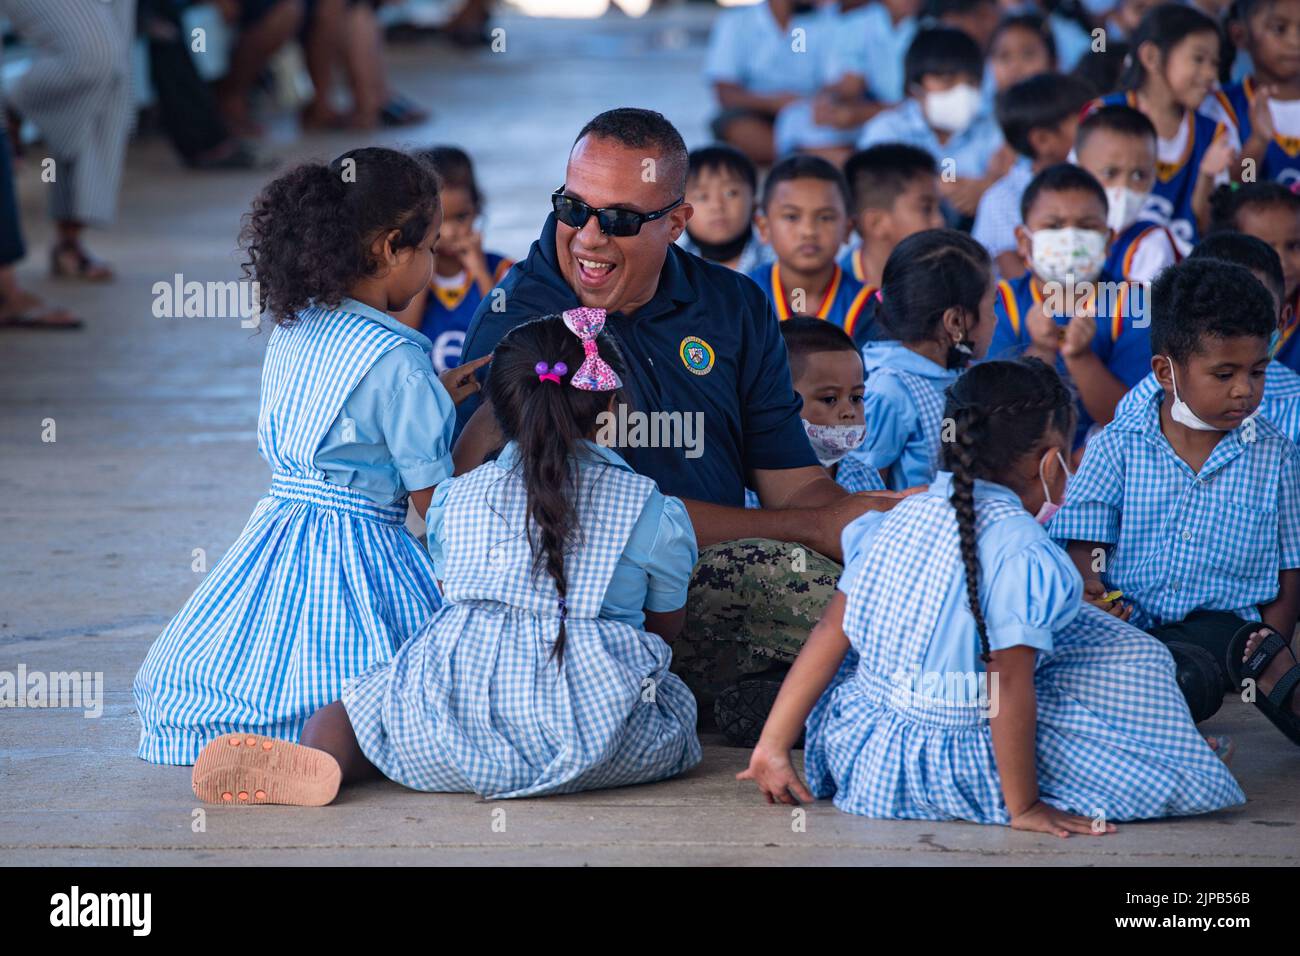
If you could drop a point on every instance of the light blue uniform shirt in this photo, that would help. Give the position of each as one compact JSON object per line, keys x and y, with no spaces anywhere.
{"x":869,"y":44}
{"x":655,"y":568}
{"x":1280,"y":405}
{"x":748,"y":47}
{"x":971,"y":149}
{"x":903,"y":425}
{"x":1072,"y":41}
{"x":1183,"y":541}
{"x":998,"y":212}
{"x":393,"y":434}
{"x":1028,"y":587}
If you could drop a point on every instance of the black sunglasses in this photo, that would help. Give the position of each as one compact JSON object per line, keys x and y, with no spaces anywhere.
{"x":613,"y":222}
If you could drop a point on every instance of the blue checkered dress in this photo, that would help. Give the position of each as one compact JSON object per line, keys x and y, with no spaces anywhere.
{"x":1114,"y":735}
{"x":476,"y":702}
{"x":1179,"y":540}
{"x":322,"y":582}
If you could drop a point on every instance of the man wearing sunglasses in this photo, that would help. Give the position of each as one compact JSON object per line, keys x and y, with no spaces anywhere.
{"x":696,"y":337}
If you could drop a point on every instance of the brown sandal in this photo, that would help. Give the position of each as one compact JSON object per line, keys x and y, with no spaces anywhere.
{"x":70,"y":261}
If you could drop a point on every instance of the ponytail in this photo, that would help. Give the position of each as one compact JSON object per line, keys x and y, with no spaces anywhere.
{"x":548,"y":420}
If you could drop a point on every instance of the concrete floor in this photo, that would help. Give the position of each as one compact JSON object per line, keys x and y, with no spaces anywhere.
{"x":155,"y":456}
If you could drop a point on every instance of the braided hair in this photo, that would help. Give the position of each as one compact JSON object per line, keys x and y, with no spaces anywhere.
{"x":1002,"y":410}
{"x":549,"y":421}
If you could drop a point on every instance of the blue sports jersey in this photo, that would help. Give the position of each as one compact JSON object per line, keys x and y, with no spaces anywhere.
{"x":447,"y":313}
{"x":1170,"y":202}
{"x":1282,"y":158}
{"x":842,"y":303}
{"x":1123,"y":346}
{"x":1119,"y":260}
{"x":865,"y":326}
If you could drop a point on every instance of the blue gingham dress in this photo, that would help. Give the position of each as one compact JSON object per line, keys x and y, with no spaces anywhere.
{"x":1113,"y":737}
{"x":475,"y":702}
{"x":321,"y":583}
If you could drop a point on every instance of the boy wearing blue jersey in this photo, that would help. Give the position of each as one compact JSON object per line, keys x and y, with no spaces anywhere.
{"x":804,"y":217}
{"x":893,"y":193}
{"x":1189,"y":503}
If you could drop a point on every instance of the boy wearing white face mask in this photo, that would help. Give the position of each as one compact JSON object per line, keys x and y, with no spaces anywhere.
{"x":1117,"y":144}
{"x":827,"y":371}
{"x":1065,"y":310}
{"x":1189,"y":502}
{"x":943,"y":115}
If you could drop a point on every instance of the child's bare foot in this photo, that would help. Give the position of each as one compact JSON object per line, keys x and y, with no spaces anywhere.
{"x":248,"y":768}
{"x":1223,"y":746}
{"x":1277,"y":668}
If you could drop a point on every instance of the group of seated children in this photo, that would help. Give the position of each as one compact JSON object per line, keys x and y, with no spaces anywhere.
{"x":1086,"y":414}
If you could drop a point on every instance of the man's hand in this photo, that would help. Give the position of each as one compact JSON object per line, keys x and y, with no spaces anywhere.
{"x":829,"y":521}
{"x":460,"y":382}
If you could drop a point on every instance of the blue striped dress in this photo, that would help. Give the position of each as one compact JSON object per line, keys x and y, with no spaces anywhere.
{"x":324,"y":580}
{"x":903,"y":731}
{"x":476,"y":702}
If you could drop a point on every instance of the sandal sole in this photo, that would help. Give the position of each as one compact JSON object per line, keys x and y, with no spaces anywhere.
{"x":251,"y":769}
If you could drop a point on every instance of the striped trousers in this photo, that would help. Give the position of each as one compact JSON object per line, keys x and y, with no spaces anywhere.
{"x":78,"y":93}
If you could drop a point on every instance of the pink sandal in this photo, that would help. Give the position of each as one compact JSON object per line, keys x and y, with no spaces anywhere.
{"x":251,"y":769}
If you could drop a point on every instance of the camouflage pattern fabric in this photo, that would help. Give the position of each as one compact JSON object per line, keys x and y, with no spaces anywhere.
{"x":751,"y":605}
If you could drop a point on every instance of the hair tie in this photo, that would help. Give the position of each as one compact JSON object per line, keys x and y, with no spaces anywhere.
{"x":594,"y":375}
{"x":550,"y":373}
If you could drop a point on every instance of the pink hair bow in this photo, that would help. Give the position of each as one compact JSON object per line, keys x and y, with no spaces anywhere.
{"x":594,"y":375}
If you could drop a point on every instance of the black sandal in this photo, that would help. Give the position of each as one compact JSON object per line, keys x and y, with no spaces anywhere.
{"x":1275,"y":704}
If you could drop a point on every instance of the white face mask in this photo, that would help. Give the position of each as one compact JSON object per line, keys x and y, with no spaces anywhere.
{"x":1049,"y":509}
{"x":1056,"y":254}
{"x":830,"y":443}
{"x":954,"y":109}
{"x":1125,"y":206}
{"x":1182,"y":413}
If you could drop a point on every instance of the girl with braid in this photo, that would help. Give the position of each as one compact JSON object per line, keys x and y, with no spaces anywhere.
{"x":967,"y":678}
{"x":563,"y":573}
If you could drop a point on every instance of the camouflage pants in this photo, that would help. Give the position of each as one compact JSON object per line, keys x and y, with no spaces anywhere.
{"x":751,"y":605}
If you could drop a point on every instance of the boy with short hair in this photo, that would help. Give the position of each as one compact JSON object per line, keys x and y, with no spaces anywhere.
{"x":722,"y":185}
{"x":1281,"y":402}
{"x":1038,"y":117}
{"x":803,"y":216}
{"x":1117,"y":144}
{"x":943,"y":115}
{"x":826,"y":368}
{"x":893,"y":192}
{"x":1057,"y":310}
{"x":1189,"y":504}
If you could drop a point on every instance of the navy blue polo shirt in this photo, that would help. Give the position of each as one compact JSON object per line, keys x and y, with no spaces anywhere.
{"x":707,"y":341}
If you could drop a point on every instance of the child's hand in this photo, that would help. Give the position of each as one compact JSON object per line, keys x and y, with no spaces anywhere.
{"x":1094,"y":592}
{"x":1001,"y":162}
{"x":775,"y":776}
{"x":1040,"y":818}
{"x":964,"y":194}
{"x":1044,"y":333}
{"x":1262,"y":129}
{"x":1218,"y":158}
{"x":460,"y":382}
{"x":1079,"y":333}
